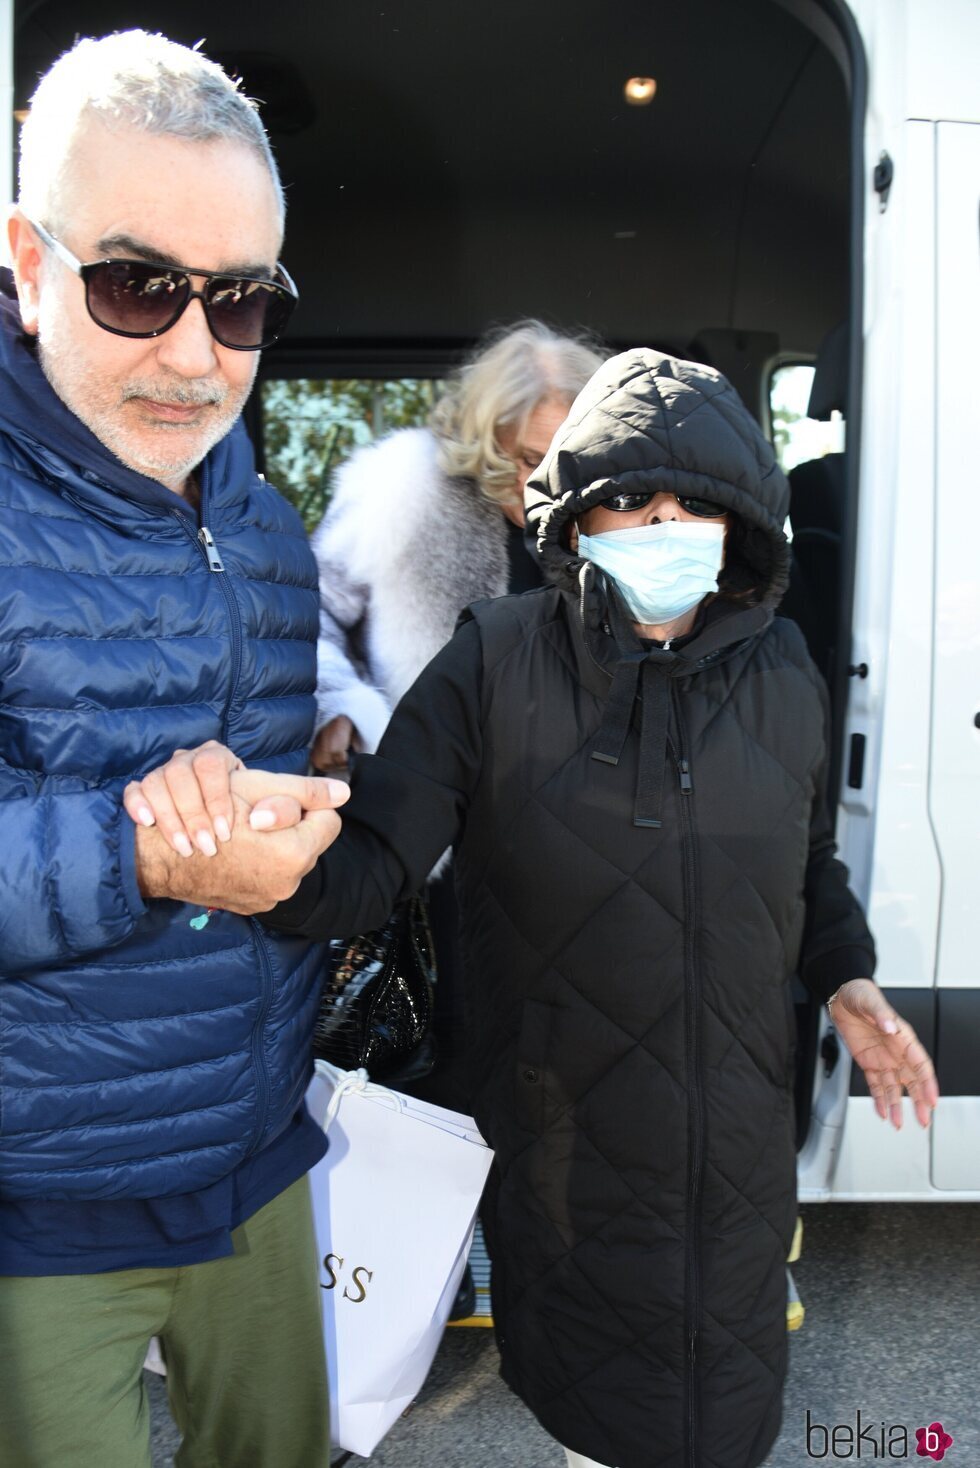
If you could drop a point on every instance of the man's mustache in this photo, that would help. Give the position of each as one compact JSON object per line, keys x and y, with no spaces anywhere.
{"x":177,"y":395}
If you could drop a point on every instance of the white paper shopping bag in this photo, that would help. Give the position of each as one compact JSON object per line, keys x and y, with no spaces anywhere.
{"x":395,"y":1202}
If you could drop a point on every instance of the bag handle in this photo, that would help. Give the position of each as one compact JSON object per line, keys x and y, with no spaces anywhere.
{"x":356,"y":1081}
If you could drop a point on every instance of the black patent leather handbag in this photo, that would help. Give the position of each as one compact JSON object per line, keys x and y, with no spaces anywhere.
{"x":376,"y":1007}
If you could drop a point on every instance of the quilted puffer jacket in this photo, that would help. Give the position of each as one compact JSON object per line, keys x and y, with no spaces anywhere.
{"x":643,"y":860}
{"x":139,"y":1055}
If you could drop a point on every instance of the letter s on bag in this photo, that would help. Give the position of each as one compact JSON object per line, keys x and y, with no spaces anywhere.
{"x":355,"y":1279}
{"x":331,"y":1271}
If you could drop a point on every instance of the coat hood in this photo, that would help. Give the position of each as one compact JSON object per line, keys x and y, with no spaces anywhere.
{"x":648,"y":421}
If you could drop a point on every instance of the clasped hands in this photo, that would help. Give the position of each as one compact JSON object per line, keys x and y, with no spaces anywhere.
{"x":212,"y":832}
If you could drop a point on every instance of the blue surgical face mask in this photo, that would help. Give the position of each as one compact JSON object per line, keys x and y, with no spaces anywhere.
{"x":662,"y":570}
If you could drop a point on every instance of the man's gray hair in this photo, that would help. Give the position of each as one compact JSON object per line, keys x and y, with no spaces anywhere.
{"x":130,"y":79}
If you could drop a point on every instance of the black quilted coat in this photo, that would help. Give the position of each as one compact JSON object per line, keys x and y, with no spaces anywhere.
{"x":643,"y":861}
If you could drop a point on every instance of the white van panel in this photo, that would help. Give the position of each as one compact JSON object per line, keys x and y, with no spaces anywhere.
{"x":922,"y":59}
{"x":955,"y":772}
{"x":893,"y":590}
{"x":955,"y":766}
{"x":955,"y":1154}
{"x":944,"y":58}
{"x":878,"y":1163}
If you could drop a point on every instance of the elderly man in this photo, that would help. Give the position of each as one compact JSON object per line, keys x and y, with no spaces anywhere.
{"x":153,"y":1055}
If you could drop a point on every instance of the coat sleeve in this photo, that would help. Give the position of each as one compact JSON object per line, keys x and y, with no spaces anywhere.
{"x":344,"y":604}
{"x":837,"y":943}
{"x":408,"y":802}
{"x":67,"y":869}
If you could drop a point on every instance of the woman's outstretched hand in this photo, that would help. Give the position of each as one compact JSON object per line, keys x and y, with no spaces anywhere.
{"x":887,"y":1049}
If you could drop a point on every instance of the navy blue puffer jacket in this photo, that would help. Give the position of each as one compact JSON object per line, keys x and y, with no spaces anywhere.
{"x":139,"y":1056}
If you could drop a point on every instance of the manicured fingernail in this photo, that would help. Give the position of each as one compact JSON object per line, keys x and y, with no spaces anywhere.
{"x":261,"y":820}
{"x":222,"y":829}
{"x":146,"y":816}
{"x":182,"y":845}
{"x":206,"y":843}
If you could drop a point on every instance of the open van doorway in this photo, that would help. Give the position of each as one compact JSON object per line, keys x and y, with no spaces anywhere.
{"x":682,"y":177}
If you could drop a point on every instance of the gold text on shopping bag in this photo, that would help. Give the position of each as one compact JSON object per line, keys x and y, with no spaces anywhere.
{"x":359,"y":1274}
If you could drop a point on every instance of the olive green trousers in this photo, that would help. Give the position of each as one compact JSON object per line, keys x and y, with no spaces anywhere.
{"x":242,"y":1339}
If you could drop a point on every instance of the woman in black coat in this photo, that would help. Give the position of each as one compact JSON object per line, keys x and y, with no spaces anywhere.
{"x":630,"y":764}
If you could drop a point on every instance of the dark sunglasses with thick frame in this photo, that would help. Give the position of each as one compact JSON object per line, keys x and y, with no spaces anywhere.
{"x":138,"y":298}
{"x":623,"y":504}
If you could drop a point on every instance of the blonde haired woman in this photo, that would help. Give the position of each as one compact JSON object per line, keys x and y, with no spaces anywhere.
{"x":427,"y":521}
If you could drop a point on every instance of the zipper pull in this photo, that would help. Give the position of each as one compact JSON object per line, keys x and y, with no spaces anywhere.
{"x":684,"y":770}
{"x":215,"y":562}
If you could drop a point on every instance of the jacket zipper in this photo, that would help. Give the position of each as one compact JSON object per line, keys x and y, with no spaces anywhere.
{"x":214,"y":561}
{"x":207,"y":544}
{"x":208,"y":547}
{"x":258,"y":1034}
{"x":692,"y":1263}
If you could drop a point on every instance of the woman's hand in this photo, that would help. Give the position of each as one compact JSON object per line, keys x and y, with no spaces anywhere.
{"x":332,"y":743}
{"x":887,"y":1049}
{"x":188,"y":798}
{"x":192,"y":796}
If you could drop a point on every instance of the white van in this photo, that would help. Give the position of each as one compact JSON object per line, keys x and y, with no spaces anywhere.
{"x":799,"y":185}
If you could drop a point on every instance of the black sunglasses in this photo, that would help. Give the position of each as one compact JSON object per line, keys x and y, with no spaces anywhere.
{"x":139,"y":299}
{"x":624,"y":503}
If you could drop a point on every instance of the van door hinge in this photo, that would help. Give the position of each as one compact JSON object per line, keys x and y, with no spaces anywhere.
{"x":882,"y":179}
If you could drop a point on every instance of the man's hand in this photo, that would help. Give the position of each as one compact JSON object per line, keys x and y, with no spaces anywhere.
{"x":887,"y":1049}
{"x":333,"y":744}
{"x":250,"y":873}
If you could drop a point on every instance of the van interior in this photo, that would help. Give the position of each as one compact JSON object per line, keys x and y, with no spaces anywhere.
{"x":451,"y":165}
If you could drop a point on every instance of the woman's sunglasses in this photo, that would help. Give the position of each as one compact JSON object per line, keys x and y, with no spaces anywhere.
{"x":139,"y":299}
{"x":624,"y":503}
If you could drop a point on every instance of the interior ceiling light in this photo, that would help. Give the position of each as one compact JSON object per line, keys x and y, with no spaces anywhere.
{"x":640,"y":91}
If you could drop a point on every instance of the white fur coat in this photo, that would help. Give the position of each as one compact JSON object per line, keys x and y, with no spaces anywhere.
{"x":402,"y":550}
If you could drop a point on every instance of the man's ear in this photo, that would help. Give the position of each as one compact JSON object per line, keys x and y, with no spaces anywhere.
{"x":573,"y":536}
{"x":25,"y":259}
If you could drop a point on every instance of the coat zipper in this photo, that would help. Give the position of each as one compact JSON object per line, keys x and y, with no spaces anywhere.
{"x":692,"y":1267}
